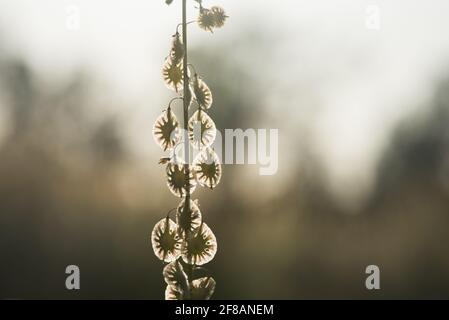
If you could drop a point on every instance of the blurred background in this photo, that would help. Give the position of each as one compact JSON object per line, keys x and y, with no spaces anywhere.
{"x":359,"y":91}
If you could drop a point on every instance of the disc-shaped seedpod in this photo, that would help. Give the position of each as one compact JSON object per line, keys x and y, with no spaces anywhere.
{"x":174,"y":293}
{"x":203,"y":95}
{"x":202,"y":130}
{"x":166,"y":130}
{"x":165,"y":240}
{"x":200,"y":248}
{"x":176,"y":50}
{"x":206,"y":20}
{"x":202,"y":289}
{"x":175,"y":276}
{"x":207,"y":168}
{"x":178,"y":180}
{"x":188,"y":218}
{"x":219,"y":16}
{"x":173,"y":75}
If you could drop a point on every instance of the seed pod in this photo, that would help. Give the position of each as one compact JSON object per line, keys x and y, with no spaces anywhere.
{"x":175,"y":276}
{"x":173,"y":75}
{"x":188,"y":218}
{"x":219,"y":16}
{"x":207,"y":168}
{"x":165,"y":240}
{"x":206,"y":19}
{"x":174,"y":293}
{"x":202,"y":130}
{"x":177,"y":180}
{"x":166,"y":130}
{"x":202,"y":289}
{"x":177,"y":49}
{"x":203,"y":95}
{"x":201,"y":248}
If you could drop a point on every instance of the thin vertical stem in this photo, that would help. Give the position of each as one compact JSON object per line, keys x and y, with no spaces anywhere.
{"x":186,"y":103}
{"x":186,"y":120}
{"x":185,"y":70}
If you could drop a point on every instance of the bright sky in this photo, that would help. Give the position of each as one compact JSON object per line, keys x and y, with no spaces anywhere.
{"x":368,"y":79}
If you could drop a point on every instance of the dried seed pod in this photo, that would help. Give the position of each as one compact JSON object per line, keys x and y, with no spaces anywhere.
{"x":206,"y":19}
{"x":207,"y":168}
{"x":165,"y":240}
{"x":219,"y":16}
{"x":202,"y":289}
{"x":202,"y":130}
{"x":177,"y":180}
{"x":177,"y":49}
{"x":174,"y":293}
{"x":188,"y":218}
{"x":166,"y":130}
{"x":203,"y":95}
{"x":173,"y":75}
{"x":200,"y":248}
{"x":175,"y":276}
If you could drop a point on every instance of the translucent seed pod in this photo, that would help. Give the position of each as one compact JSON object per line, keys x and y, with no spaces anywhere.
{"x":165,"y":240}
{"x":202,"y":130}
{"x":203,"y":95}
{"x":219,"y":16}
{"x":202,"y":289}
{"x":206,"y":20}
{"x":177,"y":180}
{"x":175,"y":276}
{"x":200,"y":248}
{"x":176,"y":50}
{"x":166,"y":130}
{"x":188,"y":219}
{"x":174,"y":293}
{"x":207,"y":168}
{"x":173,"y":75}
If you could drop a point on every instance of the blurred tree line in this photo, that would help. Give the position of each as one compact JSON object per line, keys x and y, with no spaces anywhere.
{"x":60,"y":204}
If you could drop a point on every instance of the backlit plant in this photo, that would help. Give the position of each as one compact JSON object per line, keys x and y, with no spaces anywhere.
{"x":186,"y":243}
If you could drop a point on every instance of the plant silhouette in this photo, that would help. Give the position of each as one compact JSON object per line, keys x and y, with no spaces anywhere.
{"x":187,"y":242}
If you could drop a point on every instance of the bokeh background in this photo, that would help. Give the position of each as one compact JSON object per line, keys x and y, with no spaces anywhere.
{"x":363,"y":118}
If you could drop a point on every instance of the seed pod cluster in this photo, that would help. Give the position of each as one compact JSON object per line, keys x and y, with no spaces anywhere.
{"x":186,"y":242}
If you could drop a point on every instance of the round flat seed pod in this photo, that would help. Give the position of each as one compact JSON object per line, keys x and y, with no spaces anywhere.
{"x":200,"y":248}
{"x":177,"y":180}
{"x":207,"y":168}
{"x":202,"y":130}
{"x":173,"y":75}
{"x":166,"y":130}
{"x":165,"y":240}
{"x":203,"y":95}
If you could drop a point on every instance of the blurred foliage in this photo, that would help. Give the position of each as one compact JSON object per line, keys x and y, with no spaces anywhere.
{"x":61,"y":204}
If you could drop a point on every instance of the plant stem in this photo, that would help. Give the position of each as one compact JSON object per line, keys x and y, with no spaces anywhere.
{"x":186,"y":80}
{"x":186,"y":120}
